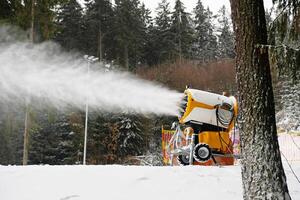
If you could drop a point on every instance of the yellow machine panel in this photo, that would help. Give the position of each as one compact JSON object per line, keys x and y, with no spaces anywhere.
{"x":216,"y":141}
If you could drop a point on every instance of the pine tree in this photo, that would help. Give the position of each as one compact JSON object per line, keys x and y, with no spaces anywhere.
{"x":11,"y":134}
{"x":146,"y":33}
{"x":212,"y":45}
{"x":5,"y":10}
{"x":182,"y":31}
{"x":130,"y":31}
{"x":284,"y":51}
{"x":152,"y":50}
{"x":130,"y":140}
{"x":53,"y":142}
{"x":98,"y":24}
{"x":99,"y":138}
{"x":289,"y":115}
{"x":163,"y":41}
{"x":69,"y":25}
{"x":205,"y":43}
{"x":4,"y":145}
{"x":44,"y":15}
{"x":226,"y":39}
{"x":201,"y":31}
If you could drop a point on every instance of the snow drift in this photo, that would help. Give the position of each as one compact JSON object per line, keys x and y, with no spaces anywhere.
{"x":126,"y":182}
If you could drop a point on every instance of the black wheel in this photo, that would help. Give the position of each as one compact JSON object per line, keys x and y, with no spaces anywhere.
{"x":183,"y":160}
{"x":202,"y":152}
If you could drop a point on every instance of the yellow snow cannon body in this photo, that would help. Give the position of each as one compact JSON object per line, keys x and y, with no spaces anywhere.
{"x":201,"y":107}
{"x":209,"y":118}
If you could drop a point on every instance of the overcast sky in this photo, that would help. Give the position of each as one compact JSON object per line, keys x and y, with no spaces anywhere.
{"x":214,"y":5}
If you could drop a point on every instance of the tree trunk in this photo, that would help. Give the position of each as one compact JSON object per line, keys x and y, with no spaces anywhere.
{"x":100,"y":47}
{"x":26,"y":136}
{"x":100,"y":36}
{"x":26,"y":123}
{"x":32,"y":21}
{"x":262,"y":171}
{"x":126,"y":59}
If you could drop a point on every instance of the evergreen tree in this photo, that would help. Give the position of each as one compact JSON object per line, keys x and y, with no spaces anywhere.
{"x":130,"y":140}
{"x":286,"y":23}
{"x":53,"y":142}
{"x":212,"y":45}
{"x":147,"y":33}
{"x":152,"y":47}
{"x":182,"y":31}
{"x":130,"y":31}
{"x":289,"y":117}
{"x":205,"y":42}
{"x":163,"y":37}
{"x":100,"y":140}
{"x":21,"y":16}
{"x":226,"y":39}
{"x":4,"y":146}
{"x":44,"y":14}
{"x":5,"y":10}
{"x":69,"y":25}
{"x":11,"y":134}
{"x":284,"y":51}
{"x":201,"y":26}
{"x":98,"y":24}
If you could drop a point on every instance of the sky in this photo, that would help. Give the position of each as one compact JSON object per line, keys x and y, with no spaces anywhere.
{"x":214,"y":5}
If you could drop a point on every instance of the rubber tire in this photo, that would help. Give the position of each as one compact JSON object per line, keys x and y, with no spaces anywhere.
{"x":183,"y":160}
{"x":199,"y":158}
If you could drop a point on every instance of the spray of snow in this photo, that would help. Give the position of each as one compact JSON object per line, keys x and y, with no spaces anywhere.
{"x":44,"y":73}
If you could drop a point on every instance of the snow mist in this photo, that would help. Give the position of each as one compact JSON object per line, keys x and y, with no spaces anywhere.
{"x":43,"y":73}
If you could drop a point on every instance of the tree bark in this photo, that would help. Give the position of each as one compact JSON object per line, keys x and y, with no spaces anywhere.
{"x":100,"y":36}
{"x":32,"y":36}
{"x":100,"y":47}
{"x":262,"y":171}
{"x":26,"y":136}
{"x":126,"y":59}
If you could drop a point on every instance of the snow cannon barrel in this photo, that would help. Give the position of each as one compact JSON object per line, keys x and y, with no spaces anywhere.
{"x":201,"y":107}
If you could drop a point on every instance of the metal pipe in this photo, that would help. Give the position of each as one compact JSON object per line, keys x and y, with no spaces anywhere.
{"x":86,"y":119}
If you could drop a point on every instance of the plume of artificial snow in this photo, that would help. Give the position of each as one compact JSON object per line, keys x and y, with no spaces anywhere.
{"x":44,"y":73}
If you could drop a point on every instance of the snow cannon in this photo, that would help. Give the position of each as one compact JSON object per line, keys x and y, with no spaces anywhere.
{"x":203,"y":109}
{"x":207,"y":119}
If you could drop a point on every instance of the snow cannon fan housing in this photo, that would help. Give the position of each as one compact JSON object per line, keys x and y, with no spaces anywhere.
{"x":199,"y":107}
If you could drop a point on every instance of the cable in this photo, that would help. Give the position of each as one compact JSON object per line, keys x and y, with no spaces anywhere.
{"x":233,"y":133}
{"x":220,"y":116}
{"x":288,"y":5}
{"x":294,"y":141}
{"x":227,"y":145}
{"x":290,"y":167}
{"x":222,"y":121}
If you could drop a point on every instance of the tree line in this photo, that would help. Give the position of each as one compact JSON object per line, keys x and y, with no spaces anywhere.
{"x":125,"y":32}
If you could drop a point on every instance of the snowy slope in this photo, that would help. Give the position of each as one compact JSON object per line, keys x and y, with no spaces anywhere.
{"x":125,"y":182}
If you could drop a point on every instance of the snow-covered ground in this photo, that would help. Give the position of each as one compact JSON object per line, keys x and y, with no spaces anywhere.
{"x":126,"y":182}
